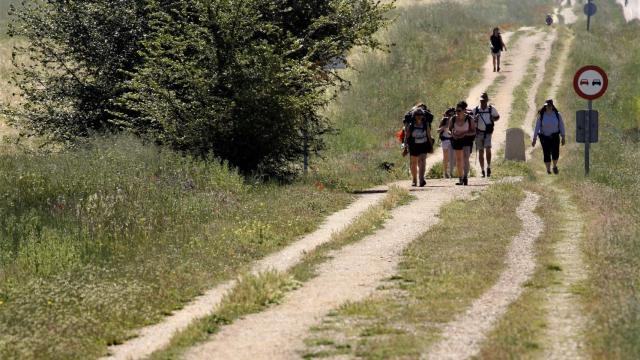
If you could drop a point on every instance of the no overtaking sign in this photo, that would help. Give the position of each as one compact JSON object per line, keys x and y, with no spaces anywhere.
{"x":590,"y":82}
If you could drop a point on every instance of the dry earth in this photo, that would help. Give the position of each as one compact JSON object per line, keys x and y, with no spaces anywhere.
{"x":354,"y":273}
{"x":462,"y":337}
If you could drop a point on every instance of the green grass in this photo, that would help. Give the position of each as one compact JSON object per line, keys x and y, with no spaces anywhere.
{"x":257,"y":293}
{"x":115,"y":235}
{"x":431,"y":61}
{"x":520,"y":333}
{"x":443,"y":271}
{"x":610,"y":197}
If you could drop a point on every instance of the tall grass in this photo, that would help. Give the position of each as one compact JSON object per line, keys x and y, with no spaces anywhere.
{"x":437,"y":55}
{"x":113,"y":235}
{"x":611,"y":194}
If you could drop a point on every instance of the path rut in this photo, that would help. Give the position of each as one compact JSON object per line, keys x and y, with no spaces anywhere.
{"x":462,"y":337}
{"x":354,"y":273}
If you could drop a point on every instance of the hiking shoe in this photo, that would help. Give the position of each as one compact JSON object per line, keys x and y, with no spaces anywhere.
{"x":466,"y":181}
{"x":498,"y":68}
{"x":413,"y":183}
{"x":483,"y":175}
{"x":422,"y":183}
{"x":460,"y":182}
{"x":548,"y":171}
{"x":555,"y":170}
{"x":488,"y":172}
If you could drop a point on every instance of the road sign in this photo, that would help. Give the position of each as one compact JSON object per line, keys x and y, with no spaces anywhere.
{"x":549,"y":19}
{"x":581,"y":126}
{"x":590,"y":82}
{"x":590,"y":9}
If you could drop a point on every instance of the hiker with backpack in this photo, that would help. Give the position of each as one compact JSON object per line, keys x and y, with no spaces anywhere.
{"x":418,"y":143}
{"x":497,"y":46}
{"x":486,"y":115}
{"x":448,"y":154}
{"x":550,"y":129}
{"x":463,"y":131}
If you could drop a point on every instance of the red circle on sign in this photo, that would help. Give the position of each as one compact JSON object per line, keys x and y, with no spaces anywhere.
{"x":586,"y":87}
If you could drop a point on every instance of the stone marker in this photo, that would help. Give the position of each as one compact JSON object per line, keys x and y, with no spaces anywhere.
{"x":514,"y":146}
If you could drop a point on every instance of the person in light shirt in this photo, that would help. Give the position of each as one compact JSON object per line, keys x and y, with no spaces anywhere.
{"x":550,"y":130}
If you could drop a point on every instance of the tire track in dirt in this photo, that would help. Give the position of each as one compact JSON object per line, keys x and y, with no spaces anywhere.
{"x":461,"y":338}
{"x":352,"y":274}
{"x":154,"y":337}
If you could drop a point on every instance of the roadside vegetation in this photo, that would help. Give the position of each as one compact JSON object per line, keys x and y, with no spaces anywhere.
{"x":116,"y":234}
{"x":610,"y":196}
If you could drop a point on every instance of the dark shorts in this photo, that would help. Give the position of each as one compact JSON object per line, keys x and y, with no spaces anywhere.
{"x":418,"y":149}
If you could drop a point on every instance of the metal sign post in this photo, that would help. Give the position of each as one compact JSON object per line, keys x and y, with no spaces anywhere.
{"x":587,"y":136}
{"x":590,"y":83}
{"x":590,"y":10}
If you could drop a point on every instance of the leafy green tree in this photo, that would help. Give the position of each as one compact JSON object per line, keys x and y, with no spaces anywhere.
{"x":243,"y":80}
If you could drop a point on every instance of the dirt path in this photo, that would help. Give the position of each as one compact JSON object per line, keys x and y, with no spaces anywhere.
{"x":545,"y":55}
{"x":514,"y":67}
{"x":631,"y":11}
{"x":354,"y":273}
{"x":155,"y":337}
{"x":462,"y":337}
{"x":528,"y":124}
{"x":565,"y":322}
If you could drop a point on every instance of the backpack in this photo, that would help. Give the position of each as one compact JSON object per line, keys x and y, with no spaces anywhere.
{"x":408,"y":117}
{"x":488,"y":127}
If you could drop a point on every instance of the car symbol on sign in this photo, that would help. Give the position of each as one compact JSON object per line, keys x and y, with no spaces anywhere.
{"x":595,"y":82}
{"x":584,"y":82}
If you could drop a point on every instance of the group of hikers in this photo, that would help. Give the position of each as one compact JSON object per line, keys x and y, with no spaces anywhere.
{"x":460,"y":128}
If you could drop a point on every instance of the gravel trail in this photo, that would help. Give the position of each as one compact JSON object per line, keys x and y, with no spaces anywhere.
{"x":354,"y":273}
{"x":462,"y":337}
{"x":155,"y":337}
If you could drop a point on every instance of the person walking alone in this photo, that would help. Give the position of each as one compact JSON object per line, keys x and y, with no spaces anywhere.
{"x":486,"y":115}
{"x":448,"y":154}
{"x":550,"y":129}
{"x":497,"y":46}
{"x":463,"y":131}
{"x":417,"y":144}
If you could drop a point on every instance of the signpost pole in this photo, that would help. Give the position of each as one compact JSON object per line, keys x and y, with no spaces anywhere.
{"x":587,"y":138}
{"x":588,"y":16}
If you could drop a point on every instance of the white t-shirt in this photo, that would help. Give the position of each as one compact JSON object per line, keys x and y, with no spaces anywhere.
{"x":485,"y":116}
{"x":419,"y":134}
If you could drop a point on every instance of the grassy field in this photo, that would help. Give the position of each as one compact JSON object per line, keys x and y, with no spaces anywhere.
{"x":107,"y":237}
{"x":610,"y":197}
{"x":114,"y":236}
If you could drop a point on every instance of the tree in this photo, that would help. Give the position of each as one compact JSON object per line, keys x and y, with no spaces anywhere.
{"x":243,"y":80}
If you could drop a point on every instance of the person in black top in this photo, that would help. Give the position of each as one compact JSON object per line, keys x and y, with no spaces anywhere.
{"x":418,"y":141}
{"x":497,"y":46}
